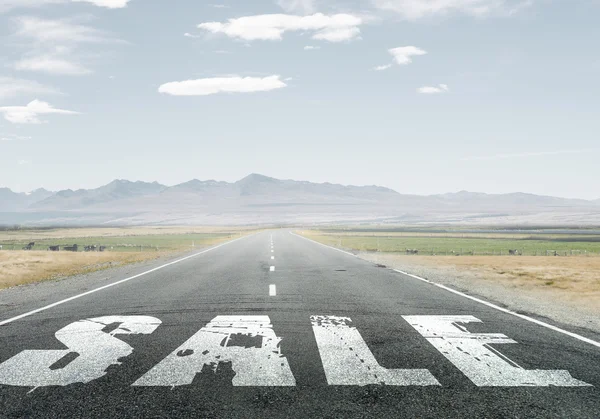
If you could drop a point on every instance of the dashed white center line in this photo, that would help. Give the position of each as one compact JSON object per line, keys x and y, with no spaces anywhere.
{"x":272,"y":269}
{"x":272,"y":290}
{"x":271,"y":250}
{"x":272,"y":257}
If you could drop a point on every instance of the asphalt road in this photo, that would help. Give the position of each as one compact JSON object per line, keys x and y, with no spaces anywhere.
{"x":322,"y":334}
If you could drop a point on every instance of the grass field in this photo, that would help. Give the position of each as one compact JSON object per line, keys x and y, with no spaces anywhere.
{"x":451,"y":243}
{"x":21,"y":267}
{"x":118,"y":239}
{"x":557,"y":287}
{"x":124,"y":246}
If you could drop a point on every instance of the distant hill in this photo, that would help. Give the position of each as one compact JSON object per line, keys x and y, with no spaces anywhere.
{"x":511,"y":199}
{"x":261,"y":199}
{"x":12,"y":201}
{"x":83,"y":198}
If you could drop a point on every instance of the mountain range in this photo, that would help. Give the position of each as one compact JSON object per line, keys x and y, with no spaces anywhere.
{"x":258,"y":199}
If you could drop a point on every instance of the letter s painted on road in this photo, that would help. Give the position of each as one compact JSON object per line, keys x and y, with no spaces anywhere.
{"x":90,"y":351}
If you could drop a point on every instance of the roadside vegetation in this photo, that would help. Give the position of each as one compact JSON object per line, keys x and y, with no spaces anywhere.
{"x":121,"y":246}
{"x":464,"y":242}
{"x":117,"y":239}
{"x":565,"y":286}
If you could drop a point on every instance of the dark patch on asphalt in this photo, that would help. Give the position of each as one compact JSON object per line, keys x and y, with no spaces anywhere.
{"x":111,"y":327}
{"x":216,"y":375}
{"x":243,"y":340}
{"x":64,"y":361}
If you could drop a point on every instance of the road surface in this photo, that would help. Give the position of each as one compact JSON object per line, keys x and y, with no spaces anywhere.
{"x":275,"y":325}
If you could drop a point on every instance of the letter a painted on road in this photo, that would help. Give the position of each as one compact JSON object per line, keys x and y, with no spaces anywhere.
{"x":470,"y":354}
{"x":247,"y":342}
{"x":90,"y":352}
{"x":348,"y":361}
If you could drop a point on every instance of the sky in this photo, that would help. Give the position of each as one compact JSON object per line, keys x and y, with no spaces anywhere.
{"x":421,"y":96}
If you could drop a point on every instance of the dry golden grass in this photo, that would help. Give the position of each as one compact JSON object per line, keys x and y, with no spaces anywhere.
{"x":581,"y":274}
{"x":574,"y":280}
{"x":22,"y":267}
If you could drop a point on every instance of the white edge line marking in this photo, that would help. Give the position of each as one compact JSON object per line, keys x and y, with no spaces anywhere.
{"x":66,"y":300}
{"x":504,"y":310}
{"x":331,"y":247}
{"x":272,"y":269}
{"x":272,"y":290}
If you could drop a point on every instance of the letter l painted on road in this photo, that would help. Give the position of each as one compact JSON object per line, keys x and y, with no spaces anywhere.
{"x":348,"y":361}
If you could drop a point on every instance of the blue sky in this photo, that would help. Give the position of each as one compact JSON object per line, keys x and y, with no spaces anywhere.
{"x":423,"y":96}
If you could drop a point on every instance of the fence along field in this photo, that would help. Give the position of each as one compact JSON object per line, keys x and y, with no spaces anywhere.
{"x":128,"y":241}
{"x":459,"y":243}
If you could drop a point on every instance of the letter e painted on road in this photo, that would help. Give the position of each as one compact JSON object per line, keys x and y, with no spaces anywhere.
{"x":248,"y":343}
{"x":484,"y":366}
{"x":91,"y":350}
{"x":348,"y":361}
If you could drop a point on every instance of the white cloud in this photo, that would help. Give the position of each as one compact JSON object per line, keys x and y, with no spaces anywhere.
{"x":382,"y":67}
{"x":332,"y":28}
{"x":429,"y":90}
{"x":11,"y":87}
{"x":54,"y":45}
{"x":417,"y":9}
{"x":52,"y":65}
{"x":517,"y":8}
{"x":58,"y":31}
{"x":22,"y":162}
{"x":110,"y":4}
{"x":338,"y":34}
{"x":29,"y":114}
{"x":311,"y":48}
{"x":6,"y":5}
{"x":232,"y":84}
{"x":403,"y":55}
{"x":189,"y":35}
{"x":298,"y":6}
{"x":12,"y":137}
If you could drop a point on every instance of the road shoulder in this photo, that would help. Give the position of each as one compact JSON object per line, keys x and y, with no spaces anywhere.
{"x":515,"y":298}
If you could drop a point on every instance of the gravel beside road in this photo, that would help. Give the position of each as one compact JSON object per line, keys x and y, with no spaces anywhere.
{"x":544,"y":303}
